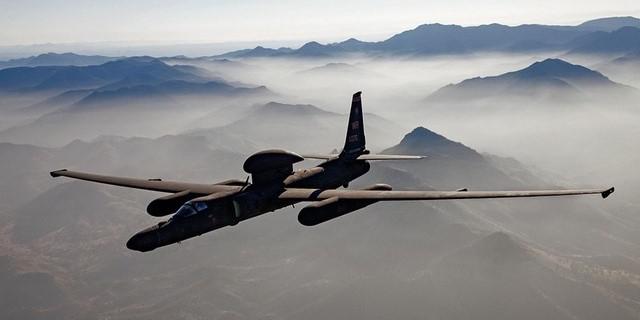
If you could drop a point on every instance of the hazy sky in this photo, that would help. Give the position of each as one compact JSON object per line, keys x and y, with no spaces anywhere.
{"x":40,"y":21}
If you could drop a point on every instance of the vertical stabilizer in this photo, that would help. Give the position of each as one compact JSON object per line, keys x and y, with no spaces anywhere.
{"x":354,"y":144}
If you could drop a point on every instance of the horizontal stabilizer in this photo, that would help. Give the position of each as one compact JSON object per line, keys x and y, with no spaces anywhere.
{"x":364,"y":157}
{"x":320,"y":156}
{"x":388,"y":157}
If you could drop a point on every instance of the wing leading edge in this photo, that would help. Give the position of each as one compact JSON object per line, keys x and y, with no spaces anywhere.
{"x":319,"y":194}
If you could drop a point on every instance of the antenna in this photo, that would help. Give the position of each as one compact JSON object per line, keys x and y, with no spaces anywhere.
{"x":246,"y":183}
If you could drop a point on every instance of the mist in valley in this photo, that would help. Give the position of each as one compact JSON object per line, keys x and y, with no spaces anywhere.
{"x":526,"y":123}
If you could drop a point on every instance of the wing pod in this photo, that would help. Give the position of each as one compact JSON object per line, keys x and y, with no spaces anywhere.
{"x":169,"y":204}
{"x":334,"y":207}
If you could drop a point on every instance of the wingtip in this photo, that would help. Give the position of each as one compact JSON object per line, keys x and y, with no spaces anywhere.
{"x":607,"y":192}
{"x":357,"y":94}
{"x":56,"y":173}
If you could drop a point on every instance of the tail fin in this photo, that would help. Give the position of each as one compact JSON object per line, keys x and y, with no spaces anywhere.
{"x":354,"y":144}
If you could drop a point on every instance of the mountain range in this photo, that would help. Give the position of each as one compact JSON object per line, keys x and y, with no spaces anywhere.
{"x":118,"y":97}
{"x":607,"y":35}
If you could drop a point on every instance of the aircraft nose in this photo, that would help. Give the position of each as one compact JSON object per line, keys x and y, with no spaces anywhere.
{"x":143,"y":241}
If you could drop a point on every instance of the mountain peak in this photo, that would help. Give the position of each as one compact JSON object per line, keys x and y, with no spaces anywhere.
{"x":424,"y":141}
{"x":552,"y":65}
{"x":421,"y":134}
{"x":351,"y":41}
{"x":312,"y":44}
{"x":559,"y":68}
{"x":313,"y":48}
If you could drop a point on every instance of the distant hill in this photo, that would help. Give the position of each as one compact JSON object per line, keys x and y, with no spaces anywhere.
{"x":313,"y":49}
{"x":627,"y":63}
{"x":609,"y":24}
{"x":433,"y":39}
{"x":296,"y":126}
{"x":550,"y":78}
{"x":57,"y":102}
{"x":56,"y":59}
{"x":450,"y":164}
{"x":624,"y":40}
{"x":633,"y":57}
{"x":139,"y":110}
{"x":256,"y":52}
{"x":625,"y":68}
{"x":337,"y":68}
{"x":216,"y":63}
{"x":166,"y":89}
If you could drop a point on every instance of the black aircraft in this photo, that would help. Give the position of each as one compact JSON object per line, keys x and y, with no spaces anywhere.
{"x":200,"y":208}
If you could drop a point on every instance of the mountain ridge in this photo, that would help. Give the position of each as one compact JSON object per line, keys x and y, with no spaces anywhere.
{"x":57,"y":59}
{"x":45,"y":78}
{"x":436,"y":38}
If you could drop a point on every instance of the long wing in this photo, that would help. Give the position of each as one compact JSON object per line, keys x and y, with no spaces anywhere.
{"x":319,"y":194}
{"x":145,"y":184}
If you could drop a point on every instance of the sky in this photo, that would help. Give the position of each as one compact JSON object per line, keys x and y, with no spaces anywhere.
{"x":27,"y":22}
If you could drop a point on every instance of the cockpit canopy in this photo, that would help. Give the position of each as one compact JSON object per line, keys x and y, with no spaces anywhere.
{"x":190,"y":208}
